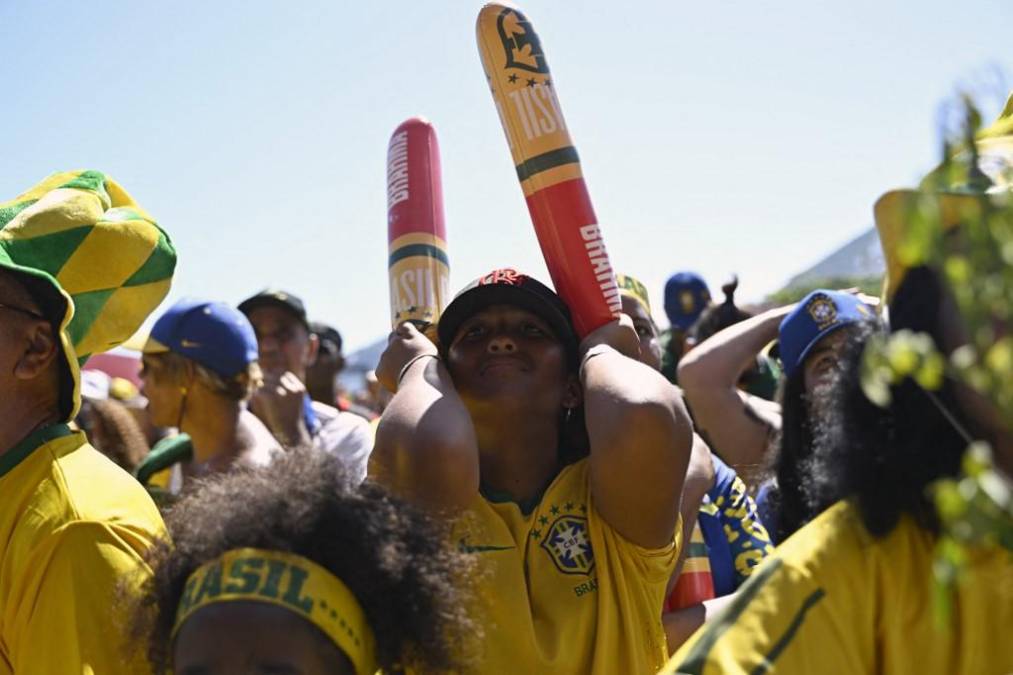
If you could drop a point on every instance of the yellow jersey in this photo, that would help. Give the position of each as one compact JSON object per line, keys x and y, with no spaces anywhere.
{"x":833,"y":599}
{"x":73,"y":527}
{"x":559,"y":590}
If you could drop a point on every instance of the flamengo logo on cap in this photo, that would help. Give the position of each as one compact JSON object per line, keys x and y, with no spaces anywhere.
{"x":505,"y":275}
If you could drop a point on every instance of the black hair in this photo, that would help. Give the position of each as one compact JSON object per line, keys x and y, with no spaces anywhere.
{"x":718,"y":317}
{"x":885,"y":458}
{"x":395,"y":559}
{"x":113,"y":431}
{"x":794,"y":499}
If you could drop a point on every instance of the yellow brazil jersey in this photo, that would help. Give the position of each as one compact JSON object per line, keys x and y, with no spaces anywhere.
{"x":73,"y":527}
{"x":560,"y":591}
{"x":832,"y":599}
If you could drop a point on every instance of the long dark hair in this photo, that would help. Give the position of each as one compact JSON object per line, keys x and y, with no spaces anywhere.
{"x":795,"y":441}
{"x":795,"y":500}
{"x":885,"y":458}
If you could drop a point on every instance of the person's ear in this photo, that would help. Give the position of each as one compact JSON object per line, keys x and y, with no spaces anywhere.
{"x":573,"y":395}
{"x":40,"y":351}
{"x":312,"y":349}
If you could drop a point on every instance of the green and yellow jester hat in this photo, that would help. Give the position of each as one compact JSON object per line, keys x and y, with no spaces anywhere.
{"x":952,"y":203}
{"x":634,"y":289}
{"x":96,"y":258}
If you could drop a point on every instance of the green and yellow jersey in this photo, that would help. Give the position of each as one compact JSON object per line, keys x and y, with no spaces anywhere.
{"x":833,"y":599}
{"x":73,"y":527}
{"x":560,"y":591}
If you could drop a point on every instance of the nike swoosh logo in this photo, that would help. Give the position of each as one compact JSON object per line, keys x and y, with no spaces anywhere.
{"x":483,"y":549}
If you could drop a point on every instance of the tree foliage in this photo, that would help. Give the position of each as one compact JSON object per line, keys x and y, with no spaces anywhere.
{"x":975,"y":508}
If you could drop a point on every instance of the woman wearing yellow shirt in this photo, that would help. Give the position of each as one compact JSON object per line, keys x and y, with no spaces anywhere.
{"x":561,"y":463}
{"x":852,"y":591}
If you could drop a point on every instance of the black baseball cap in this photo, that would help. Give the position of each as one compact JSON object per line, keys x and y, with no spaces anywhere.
{"x":330,"y":338}
{"x":507,"y":286}
{"x":271,"y":297}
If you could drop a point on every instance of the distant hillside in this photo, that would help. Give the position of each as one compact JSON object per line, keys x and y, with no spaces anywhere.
{"x":860,"y":257}
{"x":360,"y":362}
{"x":857,"y":264}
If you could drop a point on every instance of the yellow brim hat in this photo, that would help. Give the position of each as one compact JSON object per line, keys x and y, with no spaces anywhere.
{"x":897,"y":210}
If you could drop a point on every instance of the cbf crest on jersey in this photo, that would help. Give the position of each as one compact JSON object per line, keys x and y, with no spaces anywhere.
{"x":569,"y":545}
{"x":523,"y":49}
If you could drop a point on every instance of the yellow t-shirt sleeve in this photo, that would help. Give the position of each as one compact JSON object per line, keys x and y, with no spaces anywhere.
{"x":809,"y":608}
{"x":777,"y":623}
{"x":73,"y":610}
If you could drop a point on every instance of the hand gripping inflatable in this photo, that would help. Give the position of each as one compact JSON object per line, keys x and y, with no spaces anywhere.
{"x":418,"y":266}
{"x":547,"y":166}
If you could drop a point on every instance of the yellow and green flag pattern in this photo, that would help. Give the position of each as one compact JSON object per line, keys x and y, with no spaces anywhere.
{"x":83,"y":233}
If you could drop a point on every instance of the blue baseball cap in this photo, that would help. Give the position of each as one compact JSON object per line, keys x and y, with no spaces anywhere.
{"x":686,"y":297}
{"x":817,"y":315}
{"x":213,"y":334}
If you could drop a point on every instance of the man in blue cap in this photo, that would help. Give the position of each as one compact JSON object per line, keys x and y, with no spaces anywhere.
{"x":686,"y":297}
{"x":199,"y":369}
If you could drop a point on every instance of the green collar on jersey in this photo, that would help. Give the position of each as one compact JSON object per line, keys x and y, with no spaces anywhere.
{"x":29,"y":443}
{"x":527,"y":506}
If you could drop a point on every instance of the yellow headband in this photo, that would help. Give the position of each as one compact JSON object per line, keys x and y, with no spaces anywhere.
{"x":289,"y":581}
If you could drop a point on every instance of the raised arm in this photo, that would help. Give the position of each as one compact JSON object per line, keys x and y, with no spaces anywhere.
{"x":640,"y":437}
{"x":736,"y":425}
{"x":425,"y":448}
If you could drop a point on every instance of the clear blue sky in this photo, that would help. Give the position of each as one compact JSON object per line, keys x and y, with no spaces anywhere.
{"x":718,"y":136}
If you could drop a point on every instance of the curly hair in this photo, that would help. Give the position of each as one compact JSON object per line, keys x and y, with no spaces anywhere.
{"x":796,"y":499}
{"x":396,"y":560}
{"x":885,"y":458}
{"x":114,"y":431}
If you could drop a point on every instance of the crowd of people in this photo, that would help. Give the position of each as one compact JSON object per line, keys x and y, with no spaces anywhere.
{"x":721,"y":496}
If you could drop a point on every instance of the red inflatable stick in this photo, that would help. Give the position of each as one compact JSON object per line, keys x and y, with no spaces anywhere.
{"x":418,"y":266}
{"x":547,"y":166}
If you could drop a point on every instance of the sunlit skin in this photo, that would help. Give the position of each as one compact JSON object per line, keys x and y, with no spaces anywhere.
{"x":507,"y":356}
{"x":510,"y":371}
{"x":29,"y":370}
{"x":822,"y":359}
{"x":286,"y":348}
{"x":647,"y":331}
{"x":254,"y":638}
{"x":283,"y":341}
{"x":321,"y":375}
{"x":491,"y":415}
{"x":165,"y":397}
